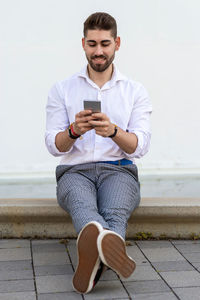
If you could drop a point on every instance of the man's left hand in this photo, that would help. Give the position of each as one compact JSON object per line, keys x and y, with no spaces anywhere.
{"x":102,"y":124}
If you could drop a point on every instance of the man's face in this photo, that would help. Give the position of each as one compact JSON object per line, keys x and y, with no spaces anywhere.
{"x":100,"y":47}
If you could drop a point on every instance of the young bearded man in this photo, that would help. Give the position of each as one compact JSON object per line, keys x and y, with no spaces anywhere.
{"x":97,"y":179}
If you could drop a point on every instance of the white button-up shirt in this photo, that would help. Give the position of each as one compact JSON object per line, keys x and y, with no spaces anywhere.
{"x":124,"y":101}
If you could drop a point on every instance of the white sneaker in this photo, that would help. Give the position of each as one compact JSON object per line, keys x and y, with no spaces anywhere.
{"x":88,"y":257}
{"x":112,"y":251}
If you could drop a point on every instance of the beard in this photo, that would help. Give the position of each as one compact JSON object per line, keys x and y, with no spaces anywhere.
{"x":100,"y":67}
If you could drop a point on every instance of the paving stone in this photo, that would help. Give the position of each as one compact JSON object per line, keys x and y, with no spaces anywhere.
{"x":192,"y":293}
{"x":182,"y":278}
{"x":73,"y":254}
{"x":196,"y":265}
{"x":47,"y":248}
{"x":71,"y":242}
{"x":192,"y":257}
{"x":154,"y":244}
{"x":14,"y":243}
{"x":137,"y":255}
{"x":185,"y":242}
{"x":142,"y":287}
{"x":53,"y":270}
{"x":16,"y":286}
{"x":43,"y":242}
{"x":60,"y":296}
{"x":127,"y":298}
{"x":15,"y":254}
{"x":107,"y":290}
{"x":17,"y":265}
{"x":53,"y":258}
{"x":167,"y":254}
{"x":193,"y":248}
{"x":156,"y":296}
{"x":10,"y":275}
{"x":18,"y":296}
{"x":54,"y":284}
{"x":143,"y":273}
{"x":109,"y":275}
{"x":134,"y":251}
{"x":165,"y":266}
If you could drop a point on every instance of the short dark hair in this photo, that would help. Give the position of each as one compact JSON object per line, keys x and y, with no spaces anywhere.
{"x":101,"y":21}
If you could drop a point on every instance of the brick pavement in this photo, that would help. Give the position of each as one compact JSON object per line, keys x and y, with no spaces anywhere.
{"x":43,"y":270}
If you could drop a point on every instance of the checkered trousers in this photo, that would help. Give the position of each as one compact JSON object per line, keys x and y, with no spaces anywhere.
{"x":99,"y":192}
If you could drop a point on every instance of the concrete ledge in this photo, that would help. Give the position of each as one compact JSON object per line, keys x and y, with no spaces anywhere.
{"x":43,"y":218}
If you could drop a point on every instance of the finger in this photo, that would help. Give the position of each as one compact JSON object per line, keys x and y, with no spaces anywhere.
{"x":85,"y":112}
{"x":83,"y":119}
{"x":83,"y":126}
{"x":98,"y":123}
{"x":100,"y":116}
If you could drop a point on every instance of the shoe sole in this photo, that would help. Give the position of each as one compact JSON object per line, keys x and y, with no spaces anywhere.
{"x":112,"y":251}
{"x":88,"y":258}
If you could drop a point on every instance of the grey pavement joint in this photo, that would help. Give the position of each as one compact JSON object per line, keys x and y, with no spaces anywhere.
{"x":43,"y":270}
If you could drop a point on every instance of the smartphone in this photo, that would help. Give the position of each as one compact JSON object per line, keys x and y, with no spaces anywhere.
{"x":93,"y":105}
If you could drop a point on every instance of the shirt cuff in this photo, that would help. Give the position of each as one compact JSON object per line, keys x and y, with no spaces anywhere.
{"x":51,"y":145}
{"x":138,"y":151}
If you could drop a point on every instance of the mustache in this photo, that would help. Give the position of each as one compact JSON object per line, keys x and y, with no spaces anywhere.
{"x":98,"y":56}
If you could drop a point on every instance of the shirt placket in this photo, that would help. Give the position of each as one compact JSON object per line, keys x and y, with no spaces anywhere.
{"x":97,"y":144}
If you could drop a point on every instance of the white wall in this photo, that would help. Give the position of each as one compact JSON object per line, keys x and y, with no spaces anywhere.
{"x":40,"y":43}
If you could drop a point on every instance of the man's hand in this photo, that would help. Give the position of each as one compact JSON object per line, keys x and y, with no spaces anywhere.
{"x":101,"y":124}
{"x":81,"y":124}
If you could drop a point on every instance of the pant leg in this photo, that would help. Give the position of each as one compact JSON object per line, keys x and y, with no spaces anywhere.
{"x":118,"y":195}
{"x":76,"y":194}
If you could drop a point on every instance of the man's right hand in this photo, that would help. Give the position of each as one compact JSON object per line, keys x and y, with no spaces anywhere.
{"x":81,"y":124}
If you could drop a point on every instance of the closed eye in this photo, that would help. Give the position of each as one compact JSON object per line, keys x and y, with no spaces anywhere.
{"x":105,"y":45}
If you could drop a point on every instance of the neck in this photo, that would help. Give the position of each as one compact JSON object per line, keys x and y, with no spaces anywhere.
{"x":100,"y":78}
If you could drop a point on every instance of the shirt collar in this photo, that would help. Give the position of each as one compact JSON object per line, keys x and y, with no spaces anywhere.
{"x":116,"y":76}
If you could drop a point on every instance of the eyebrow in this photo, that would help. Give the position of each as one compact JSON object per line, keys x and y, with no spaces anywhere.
{"x":103,"y":41}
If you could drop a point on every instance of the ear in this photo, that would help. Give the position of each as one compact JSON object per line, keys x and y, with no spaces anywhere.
{"x":117,"y":43}
{"x":83,"y":43}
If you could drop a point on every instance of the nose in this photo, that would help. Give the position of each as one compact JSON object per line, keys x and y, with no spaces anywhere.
{"x":98,"y":50}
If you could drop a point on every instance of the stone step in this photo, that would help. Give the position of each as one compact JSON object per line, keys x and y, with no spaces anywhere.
{"x":43,"y":218}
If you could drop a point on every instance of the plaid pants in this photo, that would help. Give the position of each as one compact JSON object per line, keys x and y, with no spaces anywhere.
{"x":99,"y":192}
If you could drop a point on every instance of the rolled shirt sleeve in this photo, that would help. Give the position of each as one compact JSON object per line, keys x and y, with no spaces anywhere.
{"x":139,"y":123}
{"x":56,"y":119}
